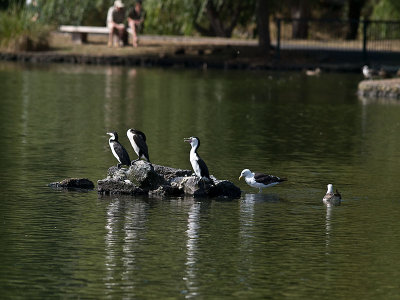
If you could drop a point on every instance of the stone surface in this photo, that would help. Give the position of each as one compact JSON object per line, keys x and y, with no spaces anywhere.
{"x":115,"y":186}
{"x":155,"y":180}
{"x":73,"y":183}
{"x":382,"y":88}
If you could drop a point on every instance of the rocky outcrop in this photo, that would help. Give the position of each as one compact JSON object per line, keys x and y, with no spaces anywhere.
{"x":155,"y":180}
{"x":382,"y":88}
{"x":73,"y":183}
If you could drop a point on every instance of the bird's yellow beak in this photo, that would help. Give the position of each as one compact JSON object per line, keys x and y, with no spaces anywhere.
{"x":240,"y":177}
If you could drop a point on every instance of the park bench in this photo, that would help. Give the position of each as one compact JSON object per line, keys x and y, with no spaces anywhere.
{"x":79,"y":33}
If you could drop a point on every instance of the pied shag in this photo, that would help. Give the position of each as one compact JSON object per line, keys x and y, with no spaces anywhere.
{"x":198,"y":165}
{"x":138,"y":142}
{"x":260,"y":180}
{"x":332,"y":198}
{"x":118,"y":150}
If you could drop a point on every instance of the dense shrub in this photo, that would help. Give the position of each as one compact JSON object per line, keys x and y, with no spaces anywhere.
{"x":19,"y":31}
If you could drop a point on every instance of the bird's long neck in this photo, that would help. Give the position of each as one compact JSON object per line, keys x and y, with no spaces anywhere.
{"x":193,"y":151}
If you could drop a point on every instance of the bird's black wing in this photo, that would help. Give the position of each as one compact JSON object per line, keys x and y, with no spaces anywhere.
{"x":141,"y":143}
{"x":203,"y":168}
{"x":141,"y":134}
{"x":267,"y":179}
{"x":122,"y":153}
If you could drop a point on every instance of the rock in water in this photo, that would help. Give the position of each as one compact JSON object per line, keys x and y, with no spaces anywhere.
{"x":73,"y":183}
{"x":145,"y":178}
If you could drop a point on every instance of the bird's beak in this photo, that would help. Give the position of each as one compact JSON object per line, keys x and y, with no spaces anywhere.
{"x":189,"y":140}
{"x":240,"y":177}
{"x":109,"y":133}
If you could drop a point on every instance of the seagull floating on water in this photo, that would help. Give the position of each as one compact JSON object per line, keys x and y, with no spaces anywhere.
{"x":118,"y":150}
{"x":332,"y":198}
{"x":198,"y":165}
{"x":138,"y":142}
{"x":260,"y":180}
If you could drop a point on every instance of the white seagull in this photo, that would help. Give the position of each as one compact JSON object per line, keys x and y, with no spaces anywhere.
{"x":332,"y":198}
{"x":260,"y":180}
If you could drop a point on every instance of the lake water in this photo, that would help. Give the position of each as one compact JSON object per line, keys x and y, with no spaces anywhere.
{"x":280,"y":244}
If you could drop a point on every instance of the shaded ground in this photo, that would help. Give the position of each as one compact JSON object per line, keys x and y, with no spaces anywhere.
{"x":198,"y":53}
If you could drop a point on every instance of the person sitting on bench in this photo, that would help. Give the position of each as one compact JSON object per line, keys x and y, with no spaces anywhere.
{"x":136,"y":17}
{"x":116,"y":24}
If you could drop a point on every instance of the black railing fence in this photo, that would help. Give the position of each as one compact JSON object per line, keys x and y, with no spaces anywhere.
{"x":337,"y":35}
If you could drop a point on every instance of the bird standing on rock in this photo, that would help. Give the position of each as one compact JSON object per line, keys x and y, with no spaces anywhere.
{"x":260,"y":180}
{"x":138,"y":142}
{"x":368,"y":72}
{"x":118,"y":150}
{"x":198,"y":165}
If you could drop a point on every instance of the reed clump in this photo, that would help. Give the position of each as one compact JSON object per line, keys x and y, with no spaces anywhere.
{"x":21,"y":31}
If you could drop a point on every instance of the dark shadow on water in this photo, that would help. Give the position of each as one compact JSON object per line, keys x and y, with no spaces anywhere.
{"x":70,"y":189}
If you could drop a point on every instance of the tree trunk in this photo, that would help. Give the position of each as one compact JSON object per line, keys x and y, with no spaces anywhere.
{"x":214,"y":19}
{"x":355,"y":7}
{"x":218,"y":26}
{"x":300,"y":12}
{"x":262,"y":13}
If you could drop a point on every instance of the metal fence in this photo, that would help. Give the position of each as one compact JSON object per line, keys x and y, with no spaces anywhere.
{"x":336,"y":35}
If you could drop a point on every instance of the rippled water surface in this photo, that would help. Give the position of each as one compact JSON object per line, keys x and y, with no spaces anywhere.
{"x":282,"y":243}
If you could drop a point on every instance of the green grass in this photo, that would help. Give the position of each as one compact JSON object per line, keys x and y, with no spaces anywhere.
{"x":19,"y":31}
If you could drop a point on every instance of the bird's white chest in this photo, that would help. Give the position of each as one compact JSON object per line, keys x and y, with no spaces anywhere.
{"x":252,"y":182}
{"x":194,"y":161}
{"x":134,"y":146}
{"x":111,"y":143}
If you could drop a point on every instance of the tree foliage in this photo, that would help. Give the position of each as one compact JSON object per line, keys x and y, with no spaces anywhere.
{"x":386,"y":10}
{"x":216,"y":17}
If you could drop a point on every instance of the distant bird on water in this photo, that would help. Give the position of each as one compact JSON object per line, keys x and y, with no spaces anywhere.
{"x":332,"y":198}
{"x":314,"y":72}
{"x":198,"y":165}
{"x":260,"y":180}
{"x":118,"y":150}
{"x":138,"y":142}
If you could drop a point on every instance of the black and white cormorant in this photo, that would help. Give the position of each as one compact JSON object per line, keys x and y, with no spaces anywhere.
{"x":118,"y":150}
{"x":332,"y":198}
{"x":138,"y":142}
{"x":260,"y":180}
{"x":198,"y":165}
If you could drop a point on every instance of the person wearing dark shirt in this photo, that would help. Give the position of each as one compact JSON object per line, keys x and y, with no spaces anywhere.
{"x":135,"y":20}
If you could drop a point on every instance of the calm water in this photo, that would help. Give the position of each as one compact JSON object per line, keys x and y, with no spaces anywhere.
{"x":281,"y":244}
